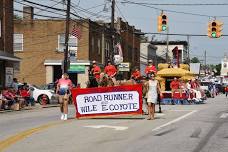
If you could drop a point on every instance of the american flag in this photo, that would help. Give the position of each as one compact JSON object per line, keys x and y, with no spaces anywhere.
{"x":119,"y":48}
{"x":76,"y":32}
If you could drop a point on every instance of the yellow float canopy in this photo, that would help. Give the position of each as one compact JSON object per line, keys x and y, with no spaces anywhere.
{"x":187,"y":77}
{"x":173,"y":72}
{"x":159,"y":78}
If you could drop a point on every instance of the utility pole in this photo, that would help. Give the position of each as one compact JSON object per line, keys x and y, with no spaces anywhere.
{"x":112,"y":28}
{"x":66,"y":58}
{"x":167,"y":45}
{"x":188,"y":37}
{"x":205,"y":60}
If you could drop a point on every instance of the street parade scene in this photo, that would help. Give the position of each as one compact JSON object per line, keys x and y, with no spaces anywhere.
{"x":113,"y":75}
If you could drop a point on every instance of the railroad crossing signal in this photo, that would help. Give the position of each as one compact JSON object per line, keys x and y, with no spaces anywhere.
{"x":214,"y":29}
{"x":162,"y":22}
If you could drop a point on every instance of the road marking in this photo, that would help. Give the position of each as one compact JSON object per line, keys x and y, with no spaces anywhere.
{"x":224,"y":115}
{"x":22,"y":135}
{"x":159,"y":114}
{"x":175,"y":120}
{"x":180,"y":110}
{"x":118,"y":128}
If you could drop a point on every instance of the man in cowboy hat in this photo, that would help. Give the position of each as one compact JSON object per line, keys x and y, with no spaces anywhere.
{"x":150,"y":68}
{"x":110,"y":70}
{"x":136,"y":75}
{"x":96,"y":70}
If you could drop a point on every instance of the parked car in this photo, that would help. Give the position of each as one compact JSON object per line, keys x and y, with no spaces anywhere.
{"x":205,"y":86}
{"x":49,"y":86}
{"x":37,"y":93}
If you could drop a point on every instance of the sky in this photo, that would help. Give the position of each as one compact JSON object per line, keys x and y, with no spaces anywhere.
{"x":145,"y":18}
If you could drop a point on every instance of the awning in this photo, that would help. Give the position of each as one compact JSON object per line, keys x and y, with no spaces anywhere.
{"x":59,"y":62}
{"x":8,"y":57}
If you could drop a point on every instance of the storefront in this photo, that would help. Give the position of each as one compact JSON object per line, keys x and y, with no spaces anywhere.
{"x":78,"y":71}
{"x":7,"y":62}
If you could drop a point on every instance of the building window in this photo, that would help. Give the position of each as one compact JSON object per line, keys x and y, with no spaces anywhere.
{"x":72,"y":43}
{"x":92,"y":43}
{"x":99,"y":46}
{"x":107,"y":49}
{"x":18,"y":42}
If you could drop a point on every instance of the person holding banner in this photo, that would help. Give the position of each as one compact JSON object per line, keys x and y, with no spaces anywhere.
{"x":153,"y":88}
{"x":63,"y":90}
{"x":150,"y":68}
{"x":96,"y":70}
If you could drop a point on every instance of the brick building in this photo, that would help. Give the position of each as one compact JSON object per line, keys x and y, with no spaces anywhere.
{"x":41,"y":43}
{"x":130,"y":43}
{"x":182,"y":50}
{"x":7,"y":59}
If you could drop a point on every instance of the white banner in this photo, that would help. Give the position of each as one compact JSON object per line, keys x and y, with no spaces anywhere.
{"x":109,"y":102}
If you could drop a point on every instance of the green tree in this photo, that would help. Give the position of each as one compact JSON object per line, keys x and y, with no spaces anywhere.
{"x":195,"y":60}
{"x":218,"y":69}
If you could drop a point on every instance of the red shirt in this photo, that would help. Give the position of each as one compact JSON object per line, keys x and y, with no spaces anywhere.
{"x":226,"y":89}
{"x":193,"y":85}
{"x":96,"y":72}
{"x":175,"y":85}
{"x":136,"y":74}
{"x":110,"y":70}
{"x":24,"y":93}
{"x":65,"y":83}
{"x":150,"y":69}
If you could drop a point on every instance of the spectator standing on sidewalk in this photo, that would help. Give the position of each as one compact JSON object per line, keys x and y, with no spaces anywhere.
{"x":63,"y":90}
{"x":15,"y":85}
{"x":226,"y":90}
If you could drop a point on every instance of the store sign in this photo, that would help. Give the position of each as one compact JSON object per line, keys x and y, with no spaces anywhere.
{"x":9,"y":76}
{"x":124,"y":67}
{"x":108,"y":101}
{"x":76,"y":69}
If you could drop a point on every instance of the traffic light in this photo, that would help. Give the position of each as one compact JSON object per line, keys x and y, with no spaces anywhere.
{"x":162,"y":22}
{"x":214,"y":29}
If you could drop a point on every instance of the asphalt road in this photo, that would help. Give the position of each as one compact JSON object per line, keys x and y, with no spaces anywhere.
{"x":183,"y":128}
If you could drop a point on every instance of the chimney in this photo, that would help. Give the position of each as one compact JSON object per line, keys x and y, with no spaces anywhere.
{"x":28,"y":13}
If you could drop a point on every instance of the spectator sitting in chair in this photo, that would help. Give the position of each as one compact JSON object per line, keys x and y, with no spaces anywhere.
{"x":3,"y":101}
{"x":24,"y":93}
{"x":8,"y":95}
{"x":175,"y":86}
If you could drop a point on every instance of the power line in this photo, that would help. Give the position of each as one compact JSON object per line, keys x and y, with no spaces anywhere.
{"x":172,"y":11}
{"x":39,"y":9}
{"x":56,"y":3}
{"x":121,"y":13}
{"x":183,"y":4}
{"x":53,"y":8}
{"x":20,"y":11}
{"x":177,"y":34}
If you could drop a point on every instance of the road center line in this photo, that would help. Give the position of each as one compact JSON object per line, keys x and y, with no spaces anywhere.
{"x":175,"y":120}
{"x":22,"y":135}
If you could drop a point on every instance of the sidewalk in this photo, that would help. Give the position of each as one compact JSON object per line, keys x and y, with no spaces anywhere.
{"x":37,"y":106}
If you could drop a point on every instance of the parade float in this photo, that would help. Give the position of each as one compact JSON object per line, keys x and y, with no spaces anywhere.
{"x":165,"y":75}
